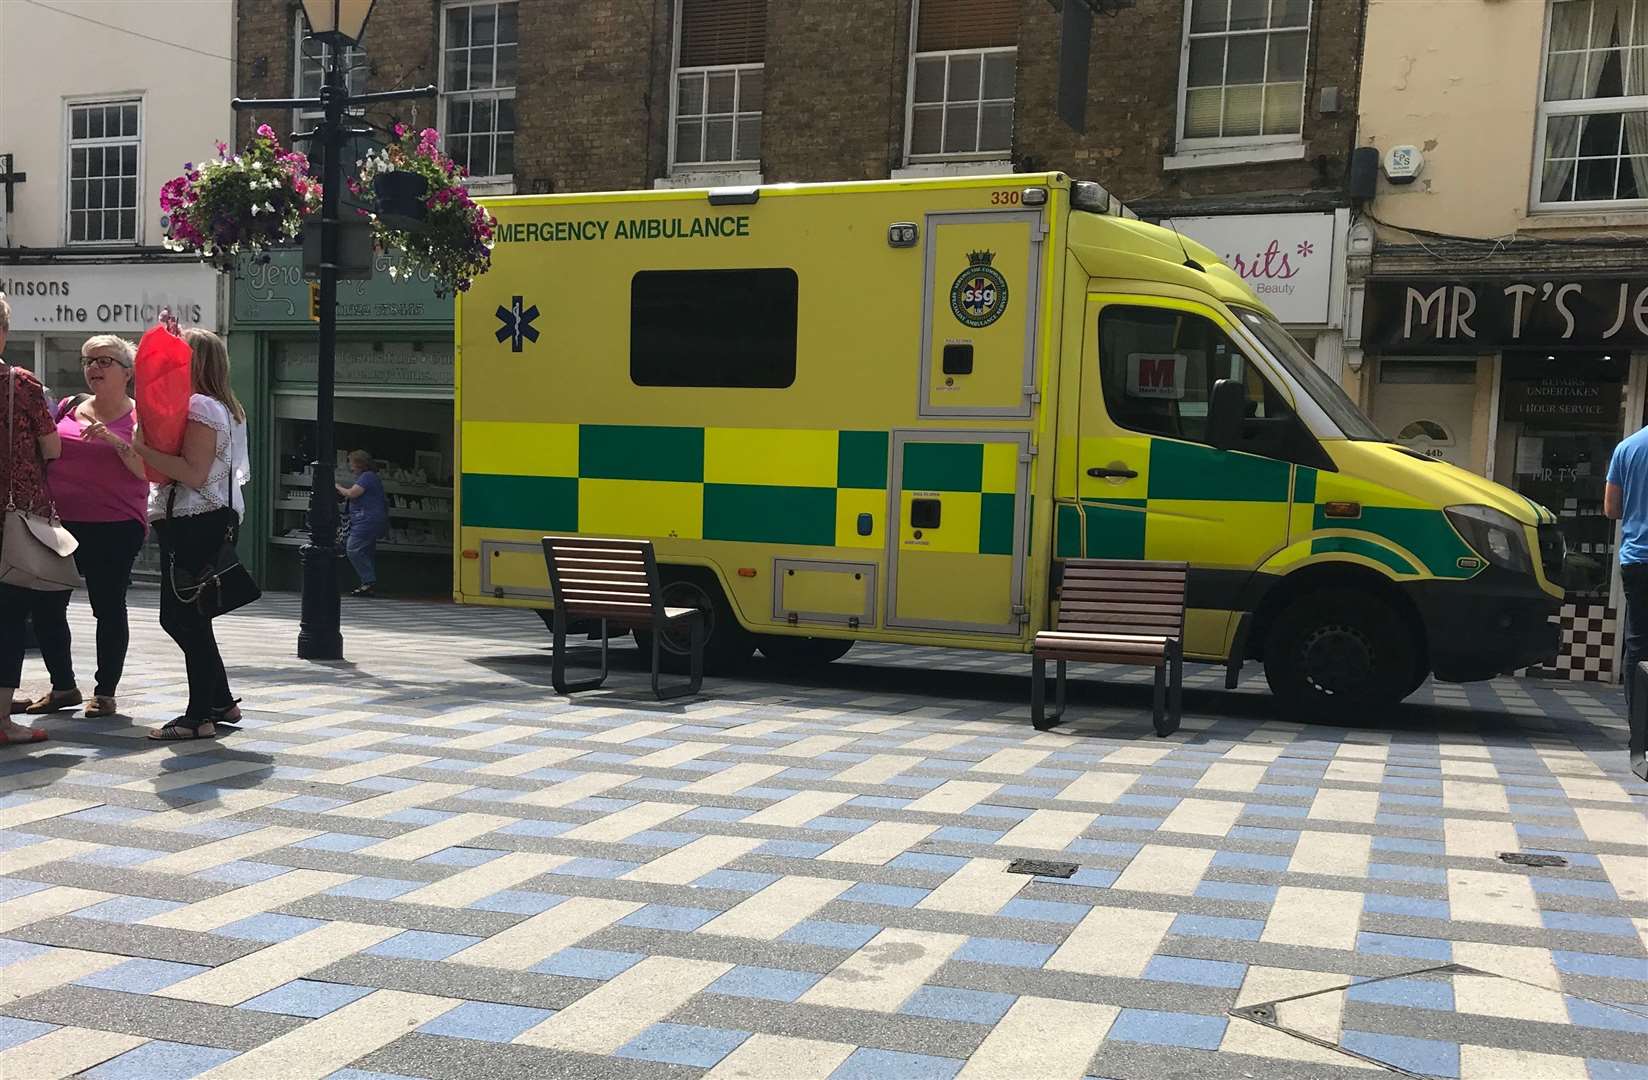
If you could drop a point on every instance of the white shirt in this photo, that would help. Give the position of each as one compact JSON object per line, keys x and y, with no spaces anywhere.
{"x":230,"y":467}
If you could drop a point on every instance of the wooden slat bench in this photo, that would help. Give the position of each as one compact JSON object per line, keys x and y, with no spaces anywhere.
{"x":1116,"y":612}
{"x":615,"y":581}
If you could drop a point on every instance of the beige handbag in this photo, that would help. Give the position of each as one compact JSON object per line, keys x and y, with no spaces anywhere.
{"x":35,"y":552}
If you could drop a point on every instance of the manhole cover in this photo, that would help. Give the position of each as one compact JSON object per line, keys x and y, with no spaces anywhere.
{"x":1416,"y":1023}
{"x":1523,"y":858}
{"x":1042,"y":868}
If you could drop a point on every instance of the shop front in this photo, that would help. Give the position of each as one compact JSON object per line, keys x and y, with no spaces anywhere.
{"x":393,"y":400}
{"x":1531,"y":381}
{"x":56,"y":306}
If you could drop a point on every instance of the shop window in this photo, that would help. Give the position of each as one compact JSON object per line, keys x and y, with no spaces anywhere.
{"x":105,"y":140}
{"x":1593,"y":112}
{"x":1158,"y":367}
{"x":1242,"y":79}
{"x":720,"y":53}
{"x":479,"y":47}
{"x":962,"y":77}
{"x":713,"y":328}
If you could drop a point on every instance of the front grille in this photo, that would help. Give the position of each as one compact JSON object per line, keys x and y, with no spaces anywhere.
{"x":1553,"y":549}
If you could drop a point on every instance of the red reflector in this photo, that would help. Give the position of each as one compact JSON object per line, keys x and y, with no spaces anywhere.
{"x":746,"y":571}
{"x":471,"y":553}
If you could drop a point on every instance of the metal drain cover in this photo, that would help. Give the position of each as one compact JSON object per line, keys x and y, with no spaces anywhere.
{"x":1042,"y":868}
{"x":1523,"y":858}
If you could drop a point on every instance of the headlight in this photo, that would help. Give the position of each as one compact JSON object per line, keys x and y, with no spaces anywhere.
{"x":1494,"y":535}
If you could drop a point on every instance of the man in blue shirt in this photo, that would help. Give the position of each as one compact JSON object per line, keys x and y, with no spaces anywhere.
{"x":368,"y":520}
{"x":1625,"y":499}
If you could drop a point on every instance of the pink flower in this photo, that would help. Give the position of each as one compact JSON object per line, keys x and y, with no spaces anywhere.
{"x":266,"y":131}
{"x":400,"y":129}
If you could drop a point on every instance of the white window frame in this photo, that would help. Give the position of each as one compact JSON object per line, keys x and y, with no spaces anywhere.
{"x":740,"y":166}
{"x":70,"y":145}
{"x":1223,"y":142}
{"x":1003,"y":154}
{"x":1580,"y":107}
{"x":497,"y":183}
{"x":305,"y":118}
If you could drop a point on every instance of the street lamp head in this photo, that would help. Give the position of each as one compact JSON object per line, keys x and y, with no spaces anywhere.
{"x":337,"y":22}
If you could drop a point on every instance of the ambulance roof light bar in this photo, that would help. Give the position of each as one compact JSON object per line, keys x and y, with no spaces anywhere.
{"x":1089,"y":196}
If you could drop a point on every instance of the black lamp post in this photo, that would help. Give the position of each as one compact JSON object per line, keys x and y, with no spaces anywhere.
{"x":339,"y":24}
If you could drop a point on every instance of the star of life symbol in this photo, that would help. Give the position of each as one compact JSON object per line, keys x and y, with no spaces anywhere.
{"x":516,"y":324}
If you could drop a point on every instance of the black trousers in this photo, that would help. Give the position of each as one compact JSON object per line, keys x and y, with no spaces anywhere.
{"x":1633,"y":580}
{"x":17,"y":606}
{"x":192,"y":543}
{"x":104,"y":558}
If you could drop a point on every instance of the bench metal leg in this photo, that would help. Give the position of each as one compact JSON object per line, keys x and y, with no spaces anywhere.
{"x":1175,"y":689}
{"x":695,"y":680}
{"x":1158,"y":700}
{"x":557,"y":670}
{"x":1040,"y":719}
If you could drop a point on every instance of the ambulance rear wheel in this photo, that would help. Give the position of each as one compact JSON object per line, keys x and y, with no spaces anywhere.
{"x":1339,"y":654}
{"x":726,"y":645}
{"x":800,"y":653}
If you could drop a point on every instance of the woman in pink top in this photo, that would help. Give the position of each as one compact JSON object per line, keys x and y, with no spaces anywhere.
{"x":102,"y":496}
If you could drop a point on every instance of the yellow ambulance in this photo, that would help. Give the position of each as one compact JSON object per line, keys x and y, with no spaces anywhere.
{"x":887,"y":411}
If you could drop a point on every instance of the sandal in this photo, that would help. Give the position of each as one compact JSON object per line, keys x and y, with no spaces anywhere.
{"x":227,"y":715}
{"x":55,"y":701}
{"x":183,"y":729}
{"x":102,"y":705}
{"x":20,"y":705}
{"x":11,"y":738}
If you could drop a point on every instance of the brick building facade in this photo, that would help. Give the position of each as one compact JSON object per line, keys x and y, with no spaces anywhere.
{"x":593,"y":99}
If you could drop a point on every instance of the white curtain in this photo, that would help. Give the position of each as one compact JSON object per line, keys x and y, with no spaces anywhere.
{"x":1573,"y":75}
{"x":1633,"y":33}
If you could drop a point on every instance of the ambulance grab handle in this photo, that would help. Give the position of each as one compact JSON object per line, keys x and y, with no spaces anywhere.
{"x":1110,"y":474}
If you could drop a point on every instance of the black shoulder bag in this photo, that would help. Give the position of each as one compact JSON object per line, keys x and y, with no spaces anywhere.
{"x":224,"y":584}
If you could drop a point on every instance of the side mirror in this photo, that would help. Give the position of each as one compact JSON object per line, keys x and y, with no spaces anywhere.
{"x":1225,"y":410}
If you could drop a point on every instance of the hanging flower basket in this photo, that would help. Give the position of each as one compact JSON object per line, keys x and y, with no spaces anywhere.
{"x":249,"y":202}
{"x":418,"y":200}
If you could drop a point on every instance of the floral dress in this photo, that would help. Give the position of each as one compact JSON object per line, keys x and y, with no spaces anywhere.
{"x":22,"y":476}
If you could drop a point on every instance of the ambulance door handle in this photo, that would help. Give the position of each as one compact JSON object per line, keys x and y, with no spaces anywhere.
{"x":1113,"y":474}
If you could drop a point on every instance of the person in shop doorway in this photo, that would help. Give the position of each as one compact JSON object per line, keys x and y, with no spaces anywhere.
{"x":368,"y":521}
{"x":1625,"y":499}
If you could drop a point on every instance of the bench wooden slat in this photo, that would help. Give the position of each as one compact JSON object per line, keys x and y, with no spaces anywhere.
{"x":1148,"y":565}
{"x":1117,"y":609}
{"x":1083,"y":574}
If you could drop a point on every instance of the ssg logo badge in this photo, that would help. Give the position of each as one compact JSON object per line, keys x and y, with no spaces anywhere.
{"x":516,"y":324}
{"x":979,"y":295}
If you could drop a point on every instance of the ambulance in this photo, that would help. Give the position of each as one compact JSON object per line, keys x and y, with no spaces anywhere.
{"x":889,"y":411}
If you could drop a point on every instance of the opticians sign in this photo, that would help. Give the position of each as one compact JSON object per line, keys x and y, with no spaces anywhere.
{"x":1443,"y":316}
{"x":1287,"y":259}
{"x":120,"y":298}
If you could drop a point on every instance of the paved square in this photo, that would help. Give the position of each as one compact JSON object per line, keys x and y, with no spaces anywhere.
{"x":425,"y":864}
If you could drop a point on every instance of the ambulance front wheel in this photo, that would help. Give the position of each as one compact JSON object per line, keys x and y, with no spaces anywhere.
{"x":1339,"y":653}
{"x":726,"y":644}
{"x":800,"y":653}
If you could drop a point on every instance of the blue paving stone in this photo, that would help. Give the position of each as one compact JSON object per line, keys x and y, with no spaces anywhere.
{"x":116,"y":855}
{"x":1168,"y":1029}
{"x":417,"y":815}
{"x":683,"y":1044}
{"x":738,"y":880}
{"x":107,"y":815}
{"x":1121,"y":821}
{"x":868,"y":1064}
{"x":161,"y":1061}
{"x":1217,"y":927}
{"x":587,"y":963}
{"x":660,"y":838}
{"x":269,"y":927}
{"x":1413,"y":993}
{"x":958,"y":835}
{"x":1593,"y":890}
{"x":832,"y":934}
{"x":597,"y":804}
{"x":1607,"y":967}
{"x":305,"y":997}
{"x":423,"y":945}
{"x":1407,"y":821}
{"x":1614,"y":1070}
{"x":537,"y":828}
{"x":1426,"y":1056}
{"x":1006,"y":813}
{"x":389,"y":783}
{"x":1418,"y":875}
{"x":461,"y":856}
{"x":1416,"y":948}
{"x":892,"y":895}
{"x":949,"y":1003}
{"x":595,"y":868}
{"x":1267,"y":836}
{"x":669,"y":917}
{"x":1044,"y":910}
{"x":606,"y":758}
{"x":1588,"y":924}
{"x":793,"y":849}
{"x":17,"y":1032}
{"x":715,"y":813}
{"x":310,"y":804}
{"x":938,"y":864}
{"x":1026,"y":954}
{"x":140,"y":976}
{"x":1121,"y":849}
{"x":338,"y":841}
{"x":128,"y":909}
{"x":1241,"y":860}
{"x":1300,"y":791}
{"x":375,"y":888}
{"x":12,"y":888}
{"x":1277,"y":811}
{"x":1596,"y":1015}
{"x":486,"y":1021}
{"x":771,"y":984}
{"x":840,"y":824}
{"x":1389,"y":904}
{"x":518,"y":901}
{"x":1181,"y":969}
{"x":13,"y":951}
{"x":1406,"y":846}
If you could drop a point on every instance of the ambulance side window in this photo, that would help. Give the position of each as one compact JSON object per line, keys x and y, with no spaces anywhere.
{"x":1158,"y":366}
{"x":733,"y":328}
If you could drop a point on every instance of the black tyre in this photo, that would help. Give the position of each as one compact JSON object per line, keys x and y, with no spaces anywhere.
{"x":800,"y":653}
{"x":1340,"y":654}
{"x":727,"y":645}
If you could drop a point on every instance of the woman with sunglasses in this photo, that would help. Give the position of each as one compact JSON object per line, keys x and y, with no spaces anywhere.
{"x":102,"y":496}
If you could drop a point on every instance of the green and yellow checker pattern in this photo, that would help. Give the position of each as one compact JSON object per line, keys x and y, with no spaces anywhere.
{"x":976,"y":484}
{"x":757,"y":485}
{"x":1402,"y":534}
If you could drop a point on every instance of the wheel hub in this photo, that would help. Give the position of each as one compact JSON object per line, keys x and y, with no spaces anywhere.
{"x":1337,"y":659}
{"x":685,"y":594}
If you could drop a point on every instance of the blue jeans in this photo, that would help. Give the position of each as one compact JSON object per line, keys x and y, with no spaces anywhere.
{"x":363,"y":555}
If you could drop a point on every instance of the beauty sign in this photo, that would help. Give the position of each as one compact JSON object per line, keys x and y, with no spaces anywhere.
{"x":1286,"y":258}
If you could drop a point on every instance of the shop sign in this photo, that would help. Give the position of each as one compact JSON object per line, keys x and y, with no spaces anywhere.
{"x":1440,"y":316}
{"x":1562,"y":400}
{"x":277,"y":292}
{"x":365,"y":363}
{"x":116,"y":298}
{"x":1286,"y":258}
